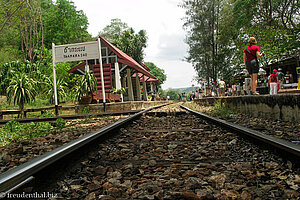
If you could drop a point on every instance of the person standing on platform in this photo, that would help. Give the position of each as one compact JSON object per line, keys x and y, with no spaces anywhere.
{"x":184,"y":97}
{"x":247,"y":86}
{"x":251,"y":53}
{"x":222,"y":87}
{"x":288,"y":77}
{"x":213,"y":89}
{"x":238,"y":90}
{"x":280,"y":78}
{"x":273,"y":82}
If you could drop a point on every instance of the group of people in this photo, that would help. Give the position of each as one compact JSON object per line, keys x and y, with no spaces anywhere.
{"x":237,"y":89}
{"x":244,"y":86}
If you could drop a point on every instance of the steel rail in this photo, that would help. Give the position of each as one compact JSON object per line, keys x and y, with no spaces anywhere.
{"x":47,"y":119}
{"x":16,"y":176}
{"x":275,"y":142}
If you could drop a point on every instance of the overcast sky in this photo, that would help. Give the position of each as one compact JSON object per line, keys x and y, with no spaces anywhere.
{"x":162,"y":20}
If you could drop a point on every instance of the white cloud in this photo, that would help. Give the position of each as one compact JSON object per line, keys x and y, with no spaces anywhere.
{"x":162,"y":21}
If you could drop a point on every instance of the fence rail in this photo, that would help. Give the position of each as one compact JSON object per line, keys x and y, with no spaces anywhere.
{"x":42,"y":110}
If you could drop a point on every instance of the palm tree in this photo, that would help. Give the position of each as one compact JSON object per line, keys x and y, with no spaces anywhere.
{"x":21,"y":90}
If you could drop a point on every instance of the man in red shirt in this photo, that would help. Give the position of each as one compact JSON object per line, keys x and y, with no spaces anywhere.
{"x":273,"y":82}
{"x":251,"y":53}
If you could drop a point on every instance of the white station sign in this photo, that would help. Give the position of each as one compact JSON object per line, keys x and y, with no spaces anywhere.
{"x":77,"y":52}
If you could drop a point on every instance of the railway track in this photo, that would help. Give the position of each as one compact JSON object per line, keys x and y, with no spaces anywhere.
{"x":165,"y":153}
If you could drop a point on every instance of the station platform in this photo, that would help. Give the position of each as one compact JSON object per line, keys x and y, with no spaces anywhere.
{"x":284,"y":107}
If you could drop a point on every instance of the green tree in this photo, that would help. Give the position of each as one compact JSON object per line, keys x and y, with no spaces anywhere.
{"x":11,"y":68}
{"x":275,"y":24}
{"x":133,"y":44}
{"x":125,"y":38}
{"x":31,"y":30}
{"x":10,"y":10}
{"x":114,"y":30}
{"x":63,"y":23}
{"x":156,"y":71}
{"x":173,"y":94}
{"x":21,"y":28}
{"x":218,"y":32}
{"x":206,"y":53}
{"x":21,"y":90}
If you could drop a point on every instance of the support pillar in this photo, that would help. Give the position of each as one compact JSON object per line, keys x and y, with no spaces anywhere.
{"x":145,"y":94}
{"x":138,"y":86}
{"x":130,"y":88}
{"x":152,"y":88}
{"x":117,"y":78}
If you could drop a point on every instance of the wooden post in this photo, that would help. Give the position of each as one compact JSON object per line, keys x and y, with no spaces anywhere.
{"x":145,"y":94}
{"x":151,"y":86}
{"x":138,"y":89}
{"x":129,"y":82}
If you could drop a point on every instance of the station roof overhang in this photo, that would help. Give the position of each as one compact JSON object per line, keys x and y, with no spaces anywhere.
{"x":125,"y":59}
{"x":148,"y":79}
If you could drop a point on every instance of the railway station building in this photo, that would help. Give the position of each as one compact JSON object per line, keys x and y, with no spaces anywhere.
{"x":119,"y":71}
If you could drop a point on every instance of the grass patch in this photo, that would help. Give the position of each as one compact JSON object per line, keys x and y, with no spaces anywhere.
{"x":14,"y":131}
{"x":219,"y":109}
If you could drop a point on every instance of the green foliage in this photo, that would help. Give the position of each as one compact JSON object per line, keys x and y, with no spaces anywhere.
{"x":133,"y":44}
{"x":125,"y":38}
{"x":60,"y":123}
{"x":12,"y":126}
{"x":207,"y":53}
{"x":7,"y":54}
{"x":63,"y":23}
{"x":274,"y":24}
{"x":47,"y":114}
{"x":9,"y":71}
{"x":161,"y":92}
{"x":218,"y":32}
{"x":119,"y":91}
{"x":156,"y":71}
{"x":14,"y":131}
{"x":85,"y":109}
{"x":114,"y":30}
{"x":61,"y":88}
{"x":173,"y":94}
{"x":21,"y":90}
{"x":220,"y":110}
{"x":86,"y":85}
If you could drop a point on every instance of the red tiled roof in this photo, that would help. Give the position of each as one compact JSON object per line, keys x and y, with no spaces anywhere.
{"x":147,"y":79}
{"x":125,"y":59}
{"x":145,"y":67}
